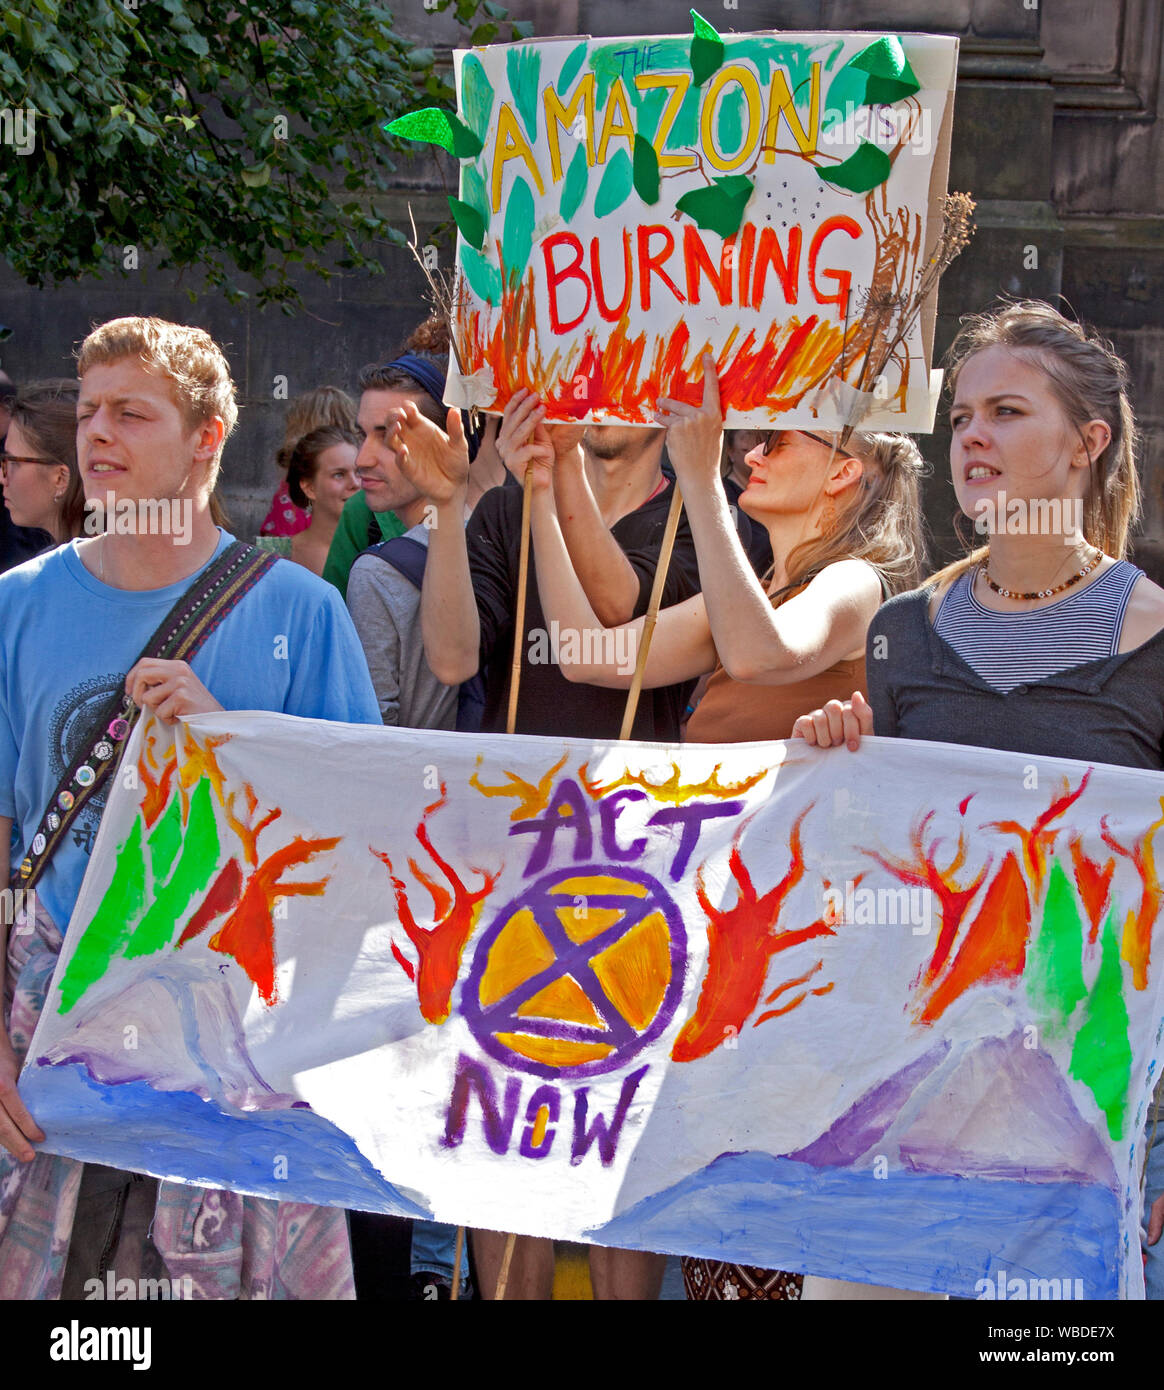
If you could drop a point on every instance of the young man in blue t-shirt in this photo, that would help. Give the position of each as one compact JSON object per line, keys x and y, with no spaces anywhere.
{"x":156,"y":406}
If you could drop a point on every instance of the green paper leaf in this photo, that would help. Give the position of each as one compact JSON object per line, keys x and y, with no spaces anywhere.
{"x":476,"y":96}
{"x":469,"y":222}
{"x":574,"y":189}
{"x":257,"y":176}
{"x":570,"y":69}
{"x":719,"y":208}
{"x":863,"y":170}
{"x":646,"y":170}
{"x":523,"y":67}
{"x":707,"y":50}
{"x":517,"y":238}
{"x":616,"y":185}
{"x":433,"y":126}
{"x":483,"y":276}
{"x":890,"y":76}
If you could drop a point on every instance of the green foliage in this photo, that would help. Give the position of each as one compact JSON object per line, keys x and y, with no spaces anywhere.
{"x":243,"y":141}
{"x":719,"y":208}
{"x":707,"y":49}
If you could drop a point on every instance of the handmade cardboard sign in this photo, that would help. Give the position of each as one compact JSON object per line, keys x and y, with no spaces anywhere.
{"x":891,"y":1016}
{"x":626,"y":205}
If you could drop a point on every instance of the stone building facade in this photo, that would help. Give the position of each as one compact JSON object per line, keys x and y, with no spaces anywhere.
{"x":1058,"y":134}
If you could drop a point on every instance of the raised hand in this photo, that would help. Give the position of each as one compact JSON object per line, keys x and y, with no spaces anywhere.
{"x":838,"y":722}
{"x":523,"y":440}
{"x":435,"y":463}
{"x":695,"y":433}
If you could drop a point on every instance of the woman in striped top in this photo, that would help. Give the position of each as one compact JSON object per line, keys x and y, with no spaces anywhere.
{"x":1046,"y":640}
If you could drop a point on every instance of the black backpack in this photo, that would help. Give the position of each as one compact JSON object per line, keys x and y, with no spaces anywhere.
{"x":409,"y":557}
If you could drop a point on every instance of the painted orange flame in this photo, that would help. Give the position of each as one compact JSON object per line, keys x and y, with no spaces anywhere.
{"x":157,"y":788}
{"x":248,"y":830}
{"x":1136,"y":947}
{"x":672,"y":789}
{"x":740,"y":943}
{"x":248,"y":934}
{"x":1039,"y":840}
{"x":1094,"y":885}
{"x":923,"y":872}
{"x":200,"y":762}
{"x":439,"y":948}
{"x":799,"y":999}
{"x":995,"y":944}
{"x":793,"y":358}
{"x":532,"y":799}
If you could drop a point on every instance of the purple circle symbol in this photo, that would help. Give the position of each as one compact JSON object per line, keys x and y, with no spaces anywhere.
{"x":578,"y":973}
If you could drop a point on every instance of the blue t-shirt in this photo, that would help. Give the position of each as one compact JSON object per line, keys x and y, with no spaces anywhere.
{"x":67,"y":642}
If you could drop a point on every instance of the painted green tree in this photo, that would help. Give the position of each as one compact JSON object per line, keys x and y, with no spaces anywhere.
{"x":241,"y":140}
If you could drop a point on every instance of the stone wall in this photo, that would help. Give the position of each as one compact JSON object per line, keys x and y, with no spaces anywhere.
{"x":1057,"y":133}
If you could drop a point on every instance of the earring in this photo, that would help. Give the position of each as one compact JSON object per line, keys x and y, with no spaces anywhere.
{"x":828,"y":520}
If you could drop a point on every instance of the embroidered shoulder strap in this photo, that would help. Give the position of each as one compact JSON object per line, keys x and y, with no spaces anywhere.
{"x":182,"y":632}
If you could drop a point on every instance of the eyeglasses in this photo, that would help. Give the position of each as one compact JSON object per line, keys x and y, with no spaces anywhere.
{"x":774,"y":437}
{"x":6,"y":460}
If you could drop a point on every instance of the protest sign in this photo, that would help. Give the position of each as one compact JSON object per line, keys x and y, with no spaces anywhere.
{"x":891,"y":1016}
{"x":627,"y":204}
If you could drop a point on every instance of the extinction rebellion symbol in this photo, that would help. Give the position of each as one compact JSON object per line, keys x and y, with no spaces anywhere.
{"x":577,"y":974}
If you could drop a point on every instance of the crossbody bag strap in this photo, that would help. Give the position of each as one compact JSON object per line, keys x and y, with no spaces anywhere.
{"x":182,"y":632}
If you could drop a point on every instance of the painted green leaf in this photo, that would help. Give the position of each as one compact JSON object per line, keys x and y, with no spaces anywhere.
{"x":719,"y":208}
{"x":1055,"y":970}
{"x":574,"y":188}
{"x":256,"y":176}
{"x":166,"y":839}
{"x":523,"y":67}
{"x":196,"y":867}
{"x":890,"y":75}
{"x":469,"y":222}
{"x":476,"y":96}
{"x":646,"y":170}
{"x":570,"y":69}
{"x":432,"y":126}
{"x":706,"y":50}
{"x":483,"y":276}
{"x":616,"y":185}
{"x":517,"y":238}
{"x":111,"y":923}
{"x":864,"y":169}
{"x":1102,"y":1055}
{"x":474,"y":191}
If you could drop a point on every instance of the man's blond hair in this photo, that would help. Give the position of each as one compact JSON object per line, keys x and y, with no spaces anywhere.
{"x":188,"y":356}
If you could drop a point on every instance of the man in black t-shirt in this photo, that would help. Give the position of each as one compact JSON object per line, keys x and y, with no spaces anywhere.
{"x":612,"y":496}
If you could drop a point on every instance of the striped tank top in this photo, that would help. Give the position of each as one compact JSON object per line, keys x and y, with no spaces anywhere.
{"x":1011,"y":649}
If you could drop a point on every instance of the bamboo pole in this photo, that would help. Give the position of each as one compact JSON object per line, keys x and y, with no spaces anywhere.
{"x":519,"y":620}
{"x":510,"y":724}
{"x":458,"y":1251}
{"x":506,"y":1258}
{"x":636,"y":687}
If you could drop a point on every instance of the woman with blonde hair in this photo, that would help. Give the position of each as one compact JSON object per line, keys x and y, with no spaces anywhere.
{"x":1047,"y":640}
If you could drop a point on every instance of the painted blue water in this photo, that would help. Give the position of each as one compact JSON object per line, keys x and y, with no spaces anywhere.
{"x":934,"y":1233}
{"x":134,"y":1127}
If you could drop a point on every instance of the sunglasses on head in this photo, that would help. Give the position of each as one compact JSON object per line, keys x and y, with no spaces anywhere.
{"x":774,"y":436}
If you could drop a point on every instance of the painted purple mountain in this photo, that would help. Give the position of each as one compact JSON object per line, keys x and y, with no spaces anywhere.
{"x":997,"y":1109}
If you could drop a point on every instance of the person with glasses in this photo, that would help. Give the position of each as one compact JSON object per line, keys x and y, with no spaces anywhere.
{"x":38,"y":465}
